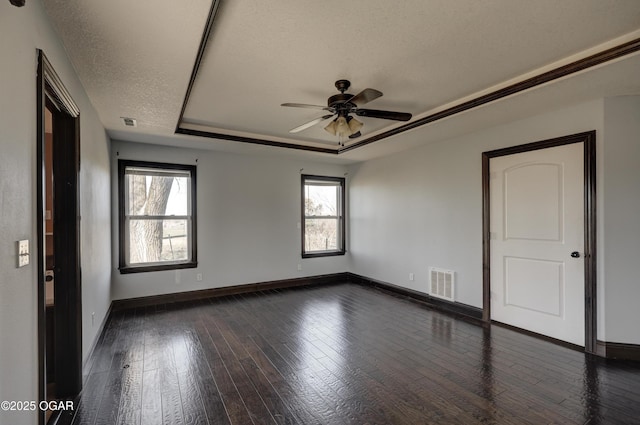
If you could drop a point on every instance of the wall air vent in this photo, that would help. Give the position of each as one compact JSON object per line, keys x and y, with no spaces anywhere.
{"x":441,"y":283}
{"x":129,"y":122}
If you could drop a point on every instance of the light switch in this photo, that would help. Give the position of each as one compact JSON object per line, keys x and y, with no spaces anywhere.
{"x":23,"y":252}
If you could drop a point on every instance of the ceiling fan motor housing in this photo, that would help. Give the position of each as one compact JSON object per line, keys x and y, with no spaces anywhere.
{"x":337,"y":99}
{"x":341,"y":101}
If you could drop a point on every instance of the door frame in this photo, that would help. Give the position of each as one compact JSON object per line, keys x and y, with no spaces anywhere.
{"x":590,"y":258}
{"x":68,"y":314}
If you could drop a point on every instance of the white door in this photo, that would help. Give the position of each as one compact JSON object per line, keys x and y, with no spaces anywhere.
{"x":537,"y":222}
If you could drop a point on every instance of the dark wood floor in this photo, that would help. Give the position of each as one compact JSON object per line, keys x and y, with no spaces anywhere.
{"x":340,"y":354}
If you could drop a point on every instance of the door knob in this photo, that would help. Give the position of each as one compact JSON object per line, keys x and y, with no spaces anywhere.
{"x":575,"y":254}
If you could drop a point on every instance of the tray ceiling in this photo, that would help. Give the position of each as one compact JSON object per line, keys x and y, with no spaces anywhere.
{"x":168,"y":66}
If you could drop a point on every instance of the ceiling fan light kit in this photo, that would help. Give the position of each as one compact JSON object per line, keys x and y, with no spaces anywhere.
{"x":342,"y":105}
{"x":332,"y":127}
{"x":354,"y":125}
{"x":344,"y":127}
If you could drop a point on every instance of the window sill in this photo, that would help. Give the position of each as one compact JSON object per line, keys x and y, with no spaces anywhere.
{"x":322,"y":254}
{"x":157,"y":267}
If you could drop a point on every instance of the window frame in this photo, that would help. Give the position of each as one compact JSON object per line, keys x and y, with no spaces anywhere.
{"x":341,"y":216}
{"x":192,"y":261}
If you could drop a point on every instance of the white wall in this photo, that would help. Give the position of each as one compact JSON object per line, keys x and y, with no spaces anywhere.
{"x":22,"y":30}
{"x":248,"y":212}
{"x":422,"y":208}
{"x":621,"y":197}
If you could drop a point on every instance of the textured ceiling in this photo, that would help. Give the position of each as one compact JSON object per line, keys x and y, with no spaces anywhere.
{"x":135,"y":59}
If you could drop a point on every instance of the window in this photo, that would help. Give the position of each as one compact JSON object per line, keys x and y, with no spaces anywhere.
{"x":157,"y":216}
{"x":322,"y":216}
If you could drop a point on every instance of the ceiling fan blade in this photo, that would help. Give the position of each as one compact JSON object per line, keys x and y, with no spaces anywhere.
{"x":365,"y":96}
{"x":387,"y":115}
{"x":310,"y":123}
{"x":304,"y":105}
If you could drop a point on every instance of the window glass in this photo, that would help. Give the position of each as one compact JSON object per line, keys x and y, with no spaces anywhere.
{"x":323,"y":216}
{"x":156,"y":216}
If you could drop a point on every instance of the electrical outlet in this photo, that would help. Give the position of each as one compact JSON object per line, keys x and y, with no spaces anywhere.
{"x":411,"y":276}
{"x":93,"y":318}
{"x":299,"y":267}
{"x":199,"y":277}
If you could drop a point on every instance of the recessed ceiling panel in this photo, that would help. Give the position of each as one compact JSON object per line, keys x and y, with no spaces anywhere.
{"x":421,"y":55}
{"x":135,"y":59}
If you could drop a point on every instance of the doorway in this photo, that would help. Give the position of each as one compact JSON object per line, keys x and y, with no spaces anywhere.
{"x":539,"y":238}
{"x":59,"y":279}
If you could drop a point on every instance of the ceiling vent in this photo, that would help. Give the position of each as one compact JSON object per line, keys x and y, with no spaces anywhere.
{"x":129,"y":122}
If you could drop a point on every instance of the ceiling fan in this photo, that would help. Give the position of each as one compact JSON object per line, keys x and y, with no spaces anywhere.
{"x":341,"y":106}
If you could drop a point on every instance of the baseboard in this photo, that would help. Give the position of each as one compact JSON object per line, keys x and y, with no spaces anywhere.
{"x":610,"y":350}
{"x":438,"y":304}
{"x":227,"y":290}
{"x":617,"y":350}
{"x":459,"y":309}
